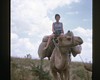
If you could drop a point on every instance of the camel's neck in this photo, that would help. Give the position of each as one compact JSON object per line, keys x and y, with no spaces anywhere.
{"x":64,"y":50}
{"x":61,"y":57}
{"x":64,"y":53}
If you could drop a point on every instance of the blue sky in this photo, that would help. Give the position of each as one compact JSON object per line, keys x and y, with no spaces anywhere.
{"x":31,"y":20}
{"x":78,"y":14}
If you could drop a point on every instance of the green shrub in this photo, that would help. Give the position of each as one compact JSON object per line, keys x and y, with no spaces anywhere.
{"x":42,"y":75}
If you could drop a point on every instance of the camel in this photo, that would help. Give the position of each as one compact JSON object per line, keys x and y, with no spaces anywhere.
{"x":47,"y":53}
{"x":59,"y":61}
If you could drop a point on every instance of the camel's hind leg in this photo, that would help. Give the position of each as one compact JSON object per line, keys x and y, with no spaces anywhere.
{"x":55,"y":76}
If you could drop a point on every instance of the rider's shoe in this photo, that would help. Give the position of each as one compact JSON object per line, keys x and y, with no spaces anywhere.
{"x":45,"y":48}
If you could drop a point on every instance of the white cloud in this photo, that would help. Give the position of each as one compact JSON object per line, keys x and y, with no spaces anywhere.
{"x":86,"y":35}
{"x":22,"y":47}
{"x":14,"y":36}
{"x":72,"y":12}
{"x":52,"y":4}
{"x":83,"y":32}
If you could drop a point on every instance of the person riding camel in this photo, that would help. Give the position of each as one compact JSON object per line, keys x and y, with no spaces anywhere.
{"x":57,"y":28}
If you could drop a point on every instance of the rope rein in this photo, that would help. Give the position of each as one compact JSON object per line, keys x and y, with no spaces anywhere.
{"x":84,"y":65}
{"x":55,"y":43}
{"x":81,"y":59}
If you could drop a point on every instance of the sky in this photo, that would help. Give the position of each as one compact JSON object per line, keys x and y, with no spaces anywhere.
{"x":31,"y":20}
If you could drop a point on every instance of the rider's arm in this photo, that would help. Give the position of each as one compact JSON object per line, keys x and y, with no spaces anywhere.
{"x":62,"y":28}
{"x":52,"y":28}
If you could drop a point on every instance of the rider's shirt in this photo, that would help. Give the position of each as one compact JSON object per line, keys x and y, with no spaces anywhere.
{"x":58,"y":26}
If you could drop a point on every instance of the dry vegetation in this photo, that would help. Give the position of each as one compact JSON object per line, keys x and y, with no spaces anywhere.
{"x":29,"y":69}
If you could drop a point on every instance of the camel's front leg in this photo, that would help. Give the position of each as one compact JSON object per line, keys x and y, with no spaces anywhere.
{"x":61,"y":76}
{"x":55,"y":76}
{"x":66,"y":74}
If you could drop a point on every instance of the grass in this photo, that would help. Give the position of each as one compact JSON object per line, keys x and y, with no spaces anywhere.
{"x":29,"y":69}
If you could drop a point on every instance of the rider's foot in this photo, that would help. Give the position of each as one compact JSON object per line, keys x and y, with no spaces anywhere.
{"x":45,"y":48}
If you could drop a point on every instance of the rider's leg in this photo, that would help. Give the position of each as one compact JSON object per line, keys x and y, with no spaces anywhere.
{"x":61,"y":35}
{"x":48,"y":42}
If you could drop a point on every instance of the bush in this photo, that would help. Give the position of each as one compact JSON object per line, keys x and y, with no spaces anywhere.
{"x":40,"y":73}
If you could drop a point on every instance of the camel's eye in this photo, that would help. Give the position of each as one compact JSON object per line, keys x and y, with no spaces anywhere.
{"x":68,"y":39}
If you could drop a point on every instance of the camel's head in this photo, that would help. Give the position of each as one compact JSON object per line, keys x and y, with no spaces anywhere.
{"x":69,"y":40}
